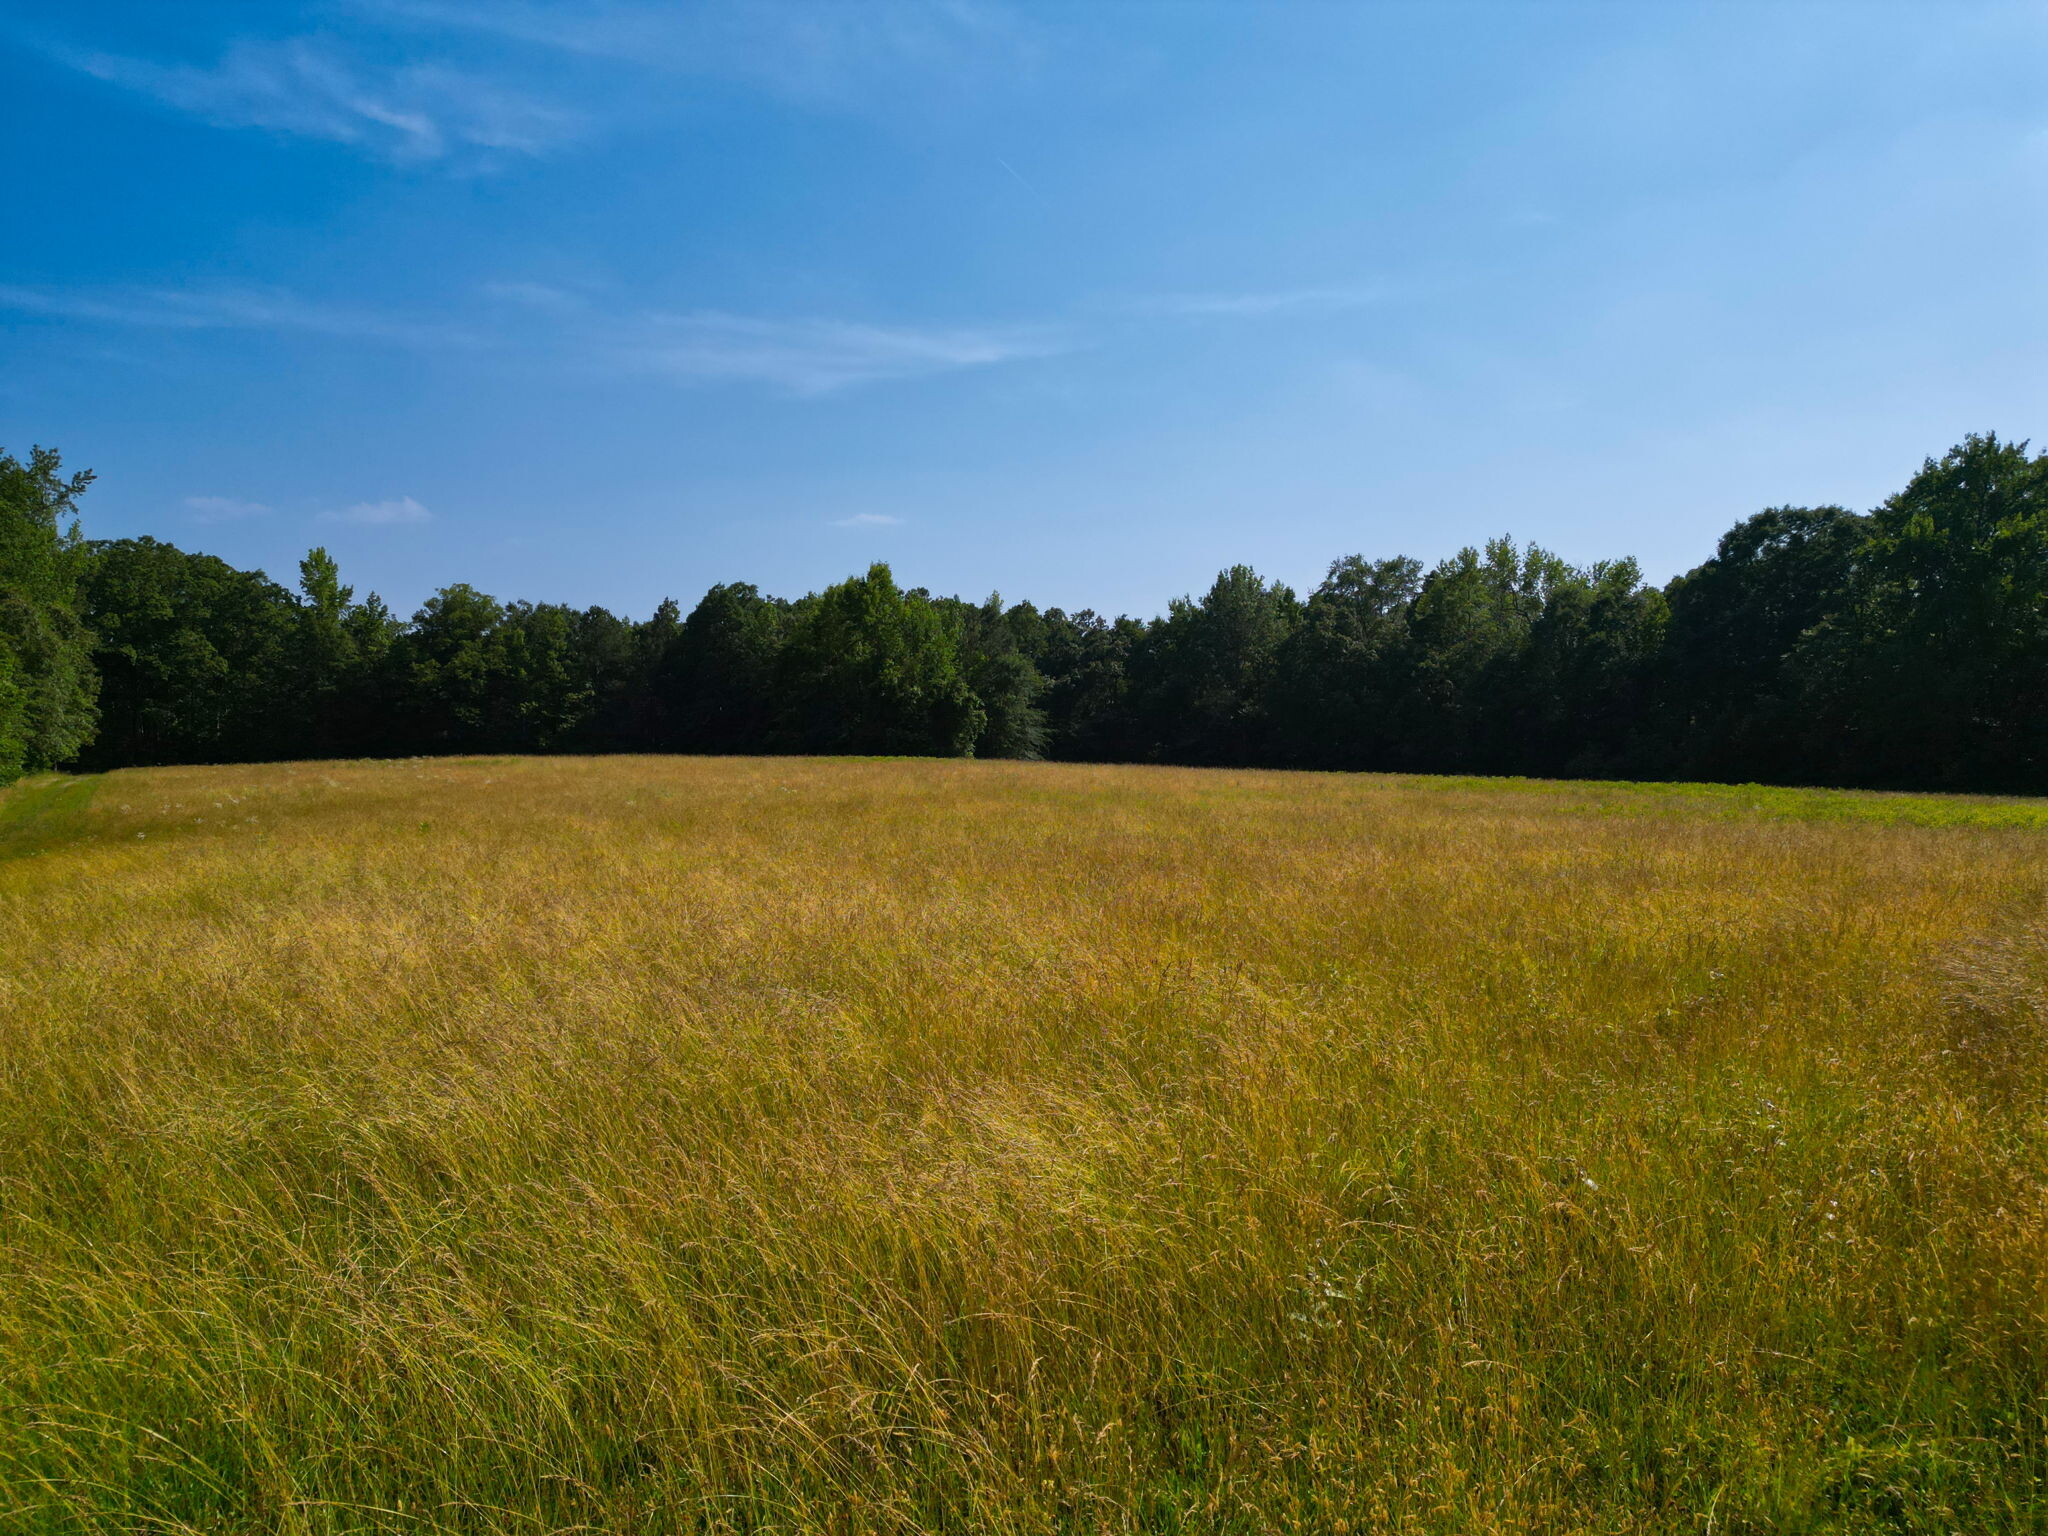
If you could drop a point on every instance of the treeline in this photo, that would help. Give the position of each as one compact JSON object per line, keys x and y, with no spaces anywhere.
{"x":1906,"y":648}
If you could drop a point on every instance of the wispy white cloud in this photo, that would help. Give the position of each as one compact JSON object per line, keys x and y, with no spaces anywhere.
{"x":544,"y":297}
{"x":466,"y":83}
{"x":798,"y":356}
{"x":816,"y":357}
{"x":411,"y":112}
{"x":803,"y":356}
{"x":222,"y":509}
{"x":822,"y":52}
{"x":1258,"y":305}
{"x":867,"y":520}
{"x":226,"y":309}
{"x":380,"y":513}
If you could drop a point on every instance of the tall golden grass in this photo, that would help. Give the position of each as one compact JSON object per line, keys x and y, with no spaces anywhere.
{"x":661,"y":1145}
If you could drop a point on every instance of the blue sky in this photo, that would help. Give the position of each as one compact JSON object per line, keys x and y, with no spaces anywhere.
{"x":607,"y":301}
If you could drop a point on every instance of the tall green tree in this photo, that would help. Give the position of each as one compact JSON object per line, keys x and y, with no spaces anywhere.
{"x":337,"y":656}
{"x":636,"y":717}
{"x":1205,"y":671}
{"x":48,"y":685}
{"x":1469,"y":627}
{"x":605,"y":660}
{"x":1935,"y":671}
{"x":1726,"y":705}
{"x":868,"y":667}
{"x":542,"y":692}
{"x":196,"y":658}
{"x":1339,"y":674}
{"x":1579,"y":697}
{"x":717,"y":681}
{"x":447,"y":670}
{"x":1086,"y":662}
{"x":1000,"y":672}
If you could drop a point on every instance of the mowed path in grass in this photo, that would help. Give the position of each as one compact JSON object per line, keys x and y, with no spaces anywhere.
{"x":659,"y":1145}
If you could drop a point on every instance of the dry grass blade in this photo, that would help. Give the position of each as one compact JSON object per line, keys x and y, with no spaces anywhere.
{"x":656,"y":1145}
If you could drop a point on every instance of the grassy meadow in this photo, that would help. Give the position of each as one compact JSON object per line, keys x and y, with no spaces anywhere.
{"x":670,"y":1145}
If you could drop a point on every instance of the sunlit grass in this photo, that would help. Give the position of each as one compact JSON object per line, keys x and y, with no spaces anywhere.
{"x":663,"y":1145}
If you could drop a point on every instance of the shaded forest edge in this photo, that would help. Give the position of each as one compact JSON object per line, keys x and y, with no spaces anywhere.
{"x":1905,"y":648}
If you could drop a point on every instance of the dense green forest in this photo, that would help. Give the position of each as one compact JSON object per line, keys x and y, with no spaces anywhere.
{"x":1905,"y":648}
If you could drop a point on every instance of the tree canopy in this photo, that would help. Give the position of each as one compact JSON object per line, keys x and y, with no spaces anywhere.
{"x":1906,"y":648}
{"x":48,"y":686}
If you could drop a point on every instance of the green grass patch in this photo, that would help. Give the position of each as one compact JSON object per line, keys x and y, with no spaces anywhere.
{"x":41,"y":812}
{"x":1765,"y":802}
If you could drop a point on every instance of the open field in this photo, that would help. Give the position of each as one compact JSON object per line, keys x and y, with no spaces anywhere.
{"x":659,"y":1145}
